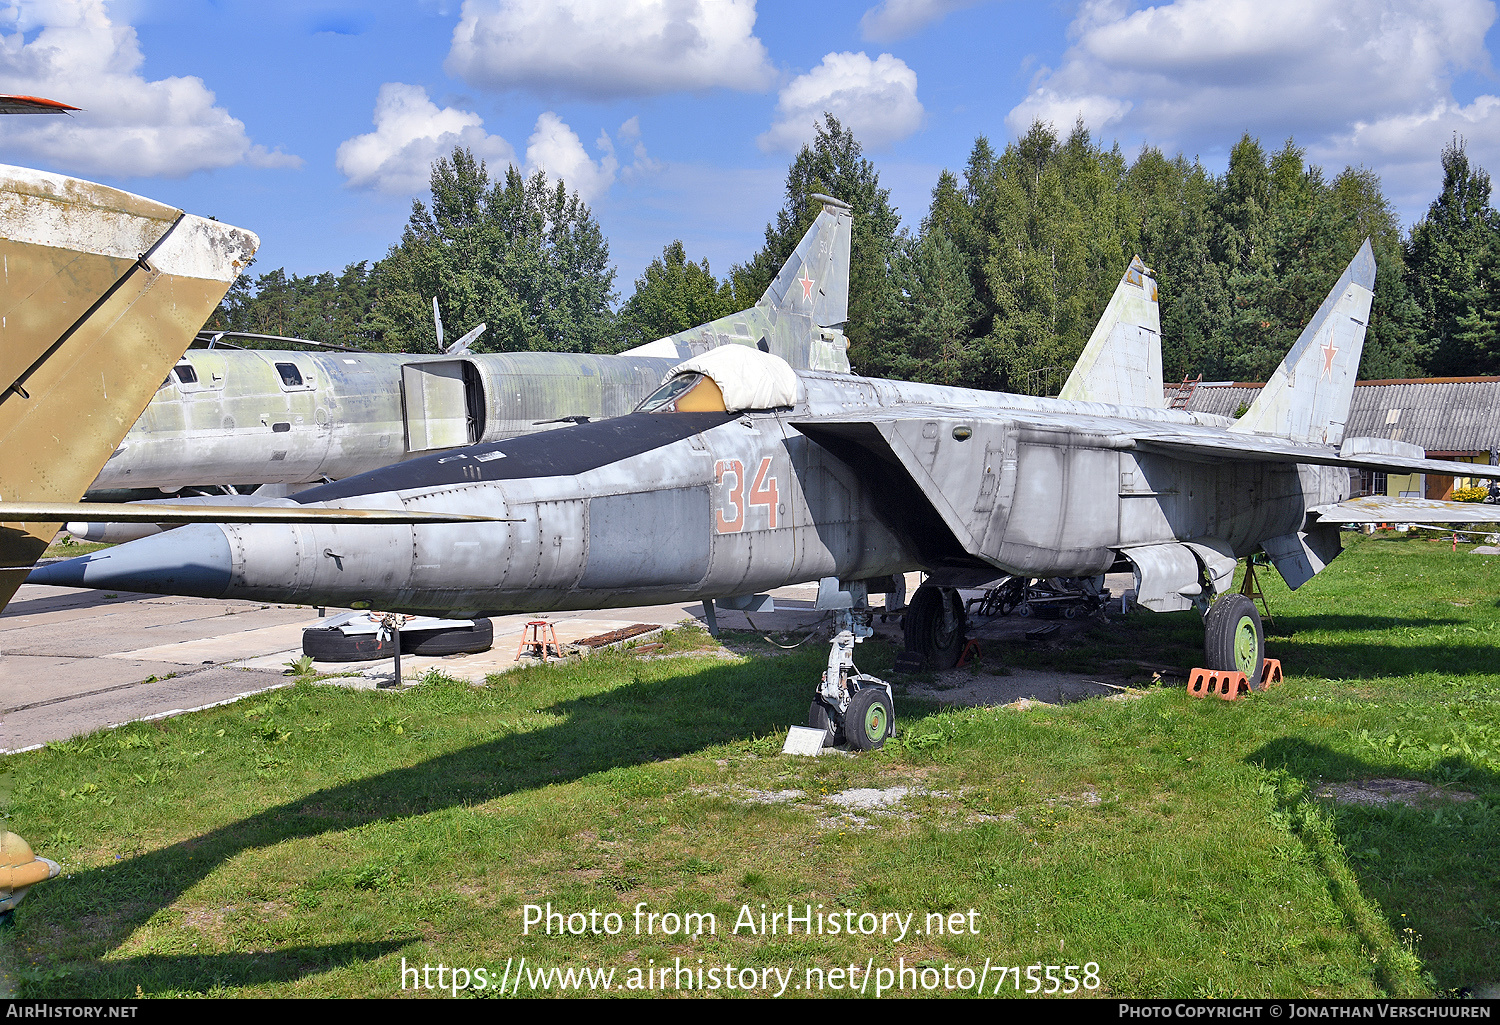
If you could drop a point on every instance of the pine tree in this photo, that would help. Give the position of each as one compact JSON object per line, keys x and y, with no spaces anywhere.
{"x":673,"y":295}
{"x":1450,"y":261}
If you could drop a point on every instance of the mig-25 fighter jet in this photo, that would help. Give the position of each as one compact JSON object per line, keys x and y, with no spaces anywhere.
{"x":740,"y":474}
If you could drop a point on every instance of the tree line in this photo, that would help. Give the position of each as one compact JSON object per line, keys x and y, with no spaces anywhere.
{"x":998,"y":287}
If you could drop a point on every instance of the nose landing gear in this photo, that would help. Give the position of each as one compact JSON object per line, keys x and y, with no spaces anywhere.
{"x":851,"y":705}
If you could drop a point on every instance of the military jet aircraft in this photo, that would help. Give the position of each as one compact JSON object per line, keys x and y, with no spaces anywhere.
{"x":740,"y":474}
{"x":283,"y":417}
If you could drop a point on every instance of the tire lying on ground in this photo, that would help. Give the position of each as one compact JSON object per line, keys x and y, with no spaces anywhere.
{"x":325,"y":644}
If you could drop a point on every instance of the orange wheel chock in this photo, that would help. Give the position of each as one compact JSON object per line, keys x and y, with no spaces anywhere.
{"x":1221,"y":683}
{"x":971,"y":650}
{"x":1228,"y":684}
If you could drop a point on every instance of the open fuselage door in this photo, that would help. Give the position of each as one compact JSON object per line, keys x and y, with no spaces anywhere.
{"x":443,"y":404}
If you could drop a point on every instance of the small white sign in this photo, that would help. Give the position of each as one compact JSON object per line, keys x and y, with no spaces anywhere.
{"x":800,"y":740}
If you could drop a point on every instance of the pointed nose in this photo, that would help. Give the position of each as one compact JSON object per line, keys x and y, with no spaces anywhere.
{"x":193,"y":560}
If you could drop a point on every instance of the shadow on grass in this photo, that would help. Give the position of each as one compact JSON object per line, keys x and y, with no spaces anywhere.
{"x":162,"y":974}
{"x":639,"y":722}
{"x":1176,"y":638}
{"x":1421,"y":873}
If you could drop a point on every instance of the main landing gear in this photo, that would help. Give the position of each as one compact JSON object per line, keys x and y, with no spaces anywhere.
{"x":850,"y":705}
{"x":935,"y":625}
{"x":1234,"y":639}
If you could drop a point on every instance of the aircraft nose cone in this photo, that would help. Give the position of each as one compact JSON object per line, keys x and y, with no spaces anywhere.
{"x":193,"y":560}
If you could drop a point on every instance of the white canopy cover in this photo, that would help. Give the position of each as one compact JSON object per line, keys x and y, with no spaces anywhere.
{"x":749,"y":378}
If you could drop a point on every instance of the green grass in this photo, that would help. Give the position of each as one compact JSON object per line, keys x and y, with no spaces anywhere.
{"x":303,"y":843}
{"x":65,"y":547}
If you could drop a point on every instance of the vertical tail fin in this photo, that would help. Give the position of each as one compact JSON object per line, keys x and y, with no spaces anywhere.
{"x":102,"y":293}
{"x":1122,"y":361}
{"x":1308,"y":397}
{"x":814,"y":281}
{"x":801,"y":315}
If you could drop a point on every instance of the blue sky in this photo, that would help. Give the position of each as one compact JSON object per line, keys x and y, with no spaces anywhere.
{"x":312,"y":124}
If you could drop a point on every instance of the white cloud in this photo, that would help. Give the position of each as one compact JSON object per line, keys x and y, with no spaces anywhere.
{"x":608,"y":48}
{"x":556,"y":150}
{"x":1364,"y":83}
{"x":875,"y":99}
{"x":129,"y":127}
{"x":630,"y":135}
{"x":890,"y":20}
{"x":1051,"y":107}
{"x":410,"y":133}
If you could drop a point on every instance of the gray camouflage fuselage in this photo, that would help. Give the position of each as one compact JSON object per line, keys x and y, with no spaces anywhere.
{"x":253,"y":417}
{"x":741,"y":503}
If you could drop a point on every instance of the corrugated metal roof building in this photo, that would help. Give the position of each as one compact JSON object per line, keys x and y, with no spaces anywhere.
{"x":1451,"y":417}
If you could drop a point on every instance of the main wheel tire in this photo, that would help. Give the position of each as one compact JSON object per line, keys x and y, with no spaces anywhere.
{"x":869,"y":719}
{"x":324,"y":644}
{"x":819,"y":717}
{"x":1233,"y":638}
{"x":924,"y":626}
{"x":452,"y":641}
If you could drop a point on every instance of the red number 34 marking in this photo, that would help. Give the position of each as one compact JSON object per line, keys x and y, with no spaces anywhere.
{"x":729,"y":518}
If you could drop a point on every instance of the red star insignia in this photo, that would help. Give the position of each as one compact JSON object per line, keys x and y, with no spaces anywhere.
{"x":1329,"y":351}
{"x":807,"y":284}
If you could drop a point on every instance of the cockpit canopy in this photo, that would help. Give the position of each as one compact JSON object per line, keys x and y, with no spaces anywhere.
{"x":685,"y":393}
{"x":730,"y":379}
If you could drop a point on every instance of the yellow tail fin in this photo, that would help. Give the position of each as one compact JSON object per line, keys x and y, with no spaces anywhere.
{"x":100,"y":293}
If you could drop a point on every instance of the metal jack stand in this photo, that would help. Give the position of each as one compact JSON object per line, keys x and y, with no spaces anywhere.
{"x":1250,"y":588}
{"x":390,"y":628}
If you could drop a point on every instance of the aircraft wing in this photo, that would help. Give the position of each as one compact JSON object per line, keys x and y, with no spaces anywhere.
{"x":145,"y":512}
{"x":1385,"y":509}
{"x":1213,"y":446}
{"x":1181,"y":441}
{"x":935,"y":487}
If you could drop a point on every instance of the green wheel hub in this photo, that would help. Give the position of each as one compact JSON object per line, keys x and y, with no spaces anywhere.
{"x":1245,"y":646}
{"x":875,"y":722}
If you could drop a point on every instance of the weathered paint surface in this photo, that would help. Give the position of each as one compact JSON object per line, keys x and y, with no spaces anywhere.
{"x":239,"y":417}
{"x":856,"y":479}
{"x":802,"y":313}
{"x":1308,"y":397}
{"x":100,"y":292}
{"x":253,"y":417}
{"x":1122,"y":361}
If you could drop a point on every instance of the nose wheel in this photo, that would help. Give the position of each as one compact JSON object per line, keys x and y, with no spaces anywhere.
{"x":869,"y":718}
{"x":851,"y":705}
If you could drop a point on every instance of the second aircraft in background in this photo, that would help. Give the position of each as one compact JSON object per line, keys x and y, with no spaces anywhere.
{"x":231,"y":419}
